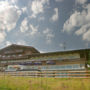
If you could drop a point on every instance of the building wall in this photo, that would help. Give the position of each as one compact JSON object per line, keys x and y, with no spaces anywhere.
{"x":65,"y":61}
{"x":58,"y":67}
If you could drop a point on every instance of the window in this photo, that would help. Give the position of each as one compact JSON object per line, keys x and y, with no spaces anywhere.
{"x":14,"y":55}
{"x":3,"y":56}
{"x":8,"y":55}
{"x":68,"y":66}
{"x":76,"y":66}
{"x":29,"y":63}
{"x":20,"y":55}
{"x":50,"y":62}
{"x":38,"y":63}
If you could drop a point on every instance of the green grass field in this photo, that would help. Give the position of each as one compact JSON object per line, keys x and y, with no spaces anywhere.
{"x":27,"y":83}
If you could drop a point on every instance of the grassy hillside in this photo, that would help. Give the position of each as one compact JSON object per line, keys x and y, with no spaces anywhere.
{"x":27,"y":83}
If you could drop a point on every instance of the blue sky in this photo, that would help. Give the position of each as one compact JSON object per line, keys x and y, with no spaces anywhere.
{"x":47,"y":25}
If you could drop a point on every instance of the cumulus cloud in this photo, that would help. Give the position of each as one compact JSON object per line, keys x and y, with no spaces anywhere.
{"x":9,"y":15}
{"x":13,"y":1}
{"x":86,"y":35}
{"x":29,"y":28}
{"x":59,"y":0}
{"x":75,"y":20}
{"x":24,"y":25}
{"x":49,"y":35}
{"x":42,"y":51}
{"x":80,"y":20}
{"x":21,"y":42}
{"x":81,"y":1}
{"x":34,"y":29}
{"x":8,"y":43}
{"x":55,"y":15}
{"x":83,"y":29}
{"x":24,"y":9}
{"x":61,"y":44}
{"x":37,"y":7}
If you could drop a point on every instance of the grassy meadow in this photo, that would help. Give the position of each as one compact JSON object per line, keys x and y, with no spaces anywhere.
{"x":27,"y":83}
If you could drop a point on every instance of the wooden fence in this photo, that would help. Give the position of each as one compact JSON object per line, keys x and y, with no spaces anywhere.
{"x":60,"y":74}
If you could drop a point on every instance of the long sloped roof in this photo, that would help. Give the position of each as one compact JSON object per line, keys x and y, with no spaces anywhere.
{"x":61,"y":52}
{"x":13,"y":47}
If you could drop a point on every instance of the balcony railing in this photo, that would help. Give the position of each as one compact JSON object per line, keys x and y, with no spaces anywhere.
{"x":56,"y":74}
{"x":13,"y":57}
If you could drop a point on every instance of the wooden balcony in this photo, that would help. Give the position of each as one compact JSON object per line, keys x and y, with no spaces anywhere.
{"x":14,"y":57}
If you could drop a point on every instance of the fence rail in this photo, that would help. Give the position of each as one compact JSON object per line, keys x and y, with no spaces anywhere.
{"x":61,"y":74}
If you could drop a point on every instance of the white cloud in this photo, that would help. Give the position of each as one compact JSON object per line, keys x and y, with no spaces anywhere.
{"x":49,"y":35}
{"x":81,"y":1}
{"x":79,"y":20}
{"x":8,"y":43}
{"x":21,"y":42}
{"x":59,"y":0}
{"x":42,"y":51}
{"x":24,"y":25}
{"x":9,"y":15}
{"x":83,"y":29}
{"x":86,"y":35}
{"x":61,"y":44}
{"x":31,"y":29}
{"x":37,"y":7}
{"x":55,"y":15}
{"x":46,"y":31}
{"x":34,"y":29}
{"x":13,"y":1}
{"x":75,"y":20}
{"x":24,"y":9}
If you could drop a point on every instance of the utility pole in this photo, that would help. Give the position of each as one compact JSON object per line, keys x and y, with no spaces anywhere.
{"x":86,"y":45}
{"x":64,"y":45}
